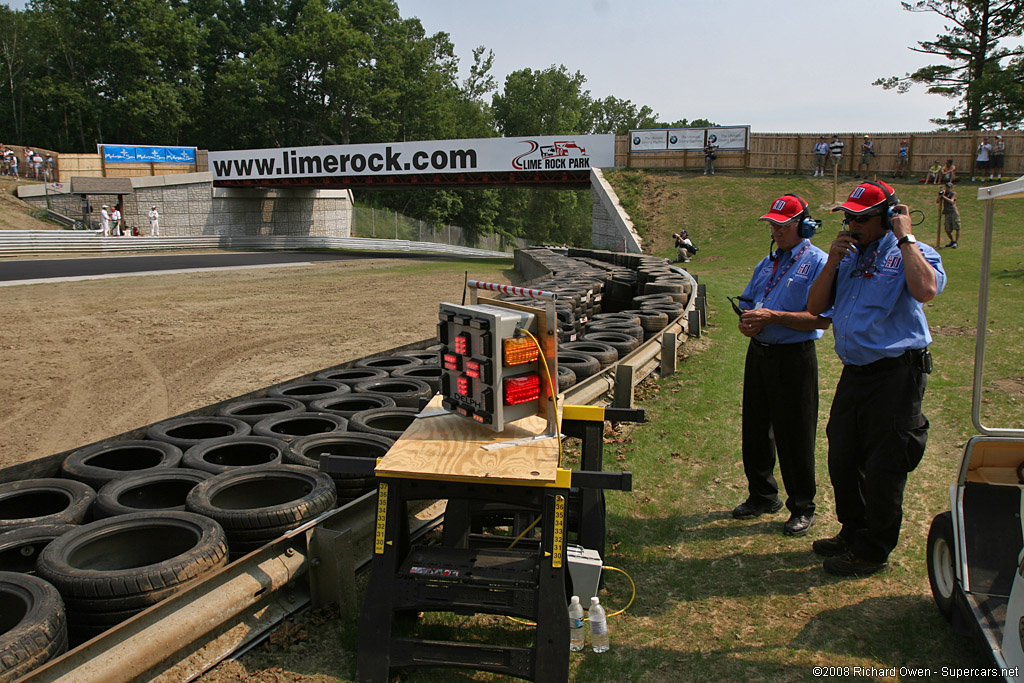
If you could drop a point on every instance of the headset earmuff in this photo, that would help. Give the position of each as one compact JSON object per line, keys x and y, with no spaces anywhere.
{"x":807,"y":225}
{"x":890,"y":202}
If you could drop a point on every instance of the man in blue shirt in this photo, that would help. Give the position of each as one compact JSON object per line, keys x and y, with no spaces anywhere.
{"x":780,"y":378}
{"x":876,"y":279}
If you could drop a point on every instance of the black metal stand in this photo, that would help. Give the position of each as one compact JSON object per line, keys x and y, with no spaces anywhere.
{"x":470,"y":573}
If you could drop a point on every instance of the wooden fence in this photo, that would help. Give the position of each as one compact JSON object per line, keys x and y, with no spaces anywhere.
{"x":92,"y":166}
{"x":793,"y":153}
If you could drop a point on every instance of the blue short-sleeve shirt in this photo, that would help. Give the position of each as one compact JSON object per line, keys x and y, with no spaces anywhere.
{"x":782,"y":285}
{"x":874,"y":315}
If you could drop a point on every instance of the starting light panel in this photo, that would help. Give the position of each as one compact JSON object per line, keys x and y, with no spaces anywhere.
{"x":493,"y":373}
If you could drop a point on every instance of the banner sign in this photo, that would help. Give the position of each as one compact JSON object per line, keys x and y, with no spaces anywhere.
{"x":726,"y":138}
{"x":132,"y":154}
{"x":484,"y":155}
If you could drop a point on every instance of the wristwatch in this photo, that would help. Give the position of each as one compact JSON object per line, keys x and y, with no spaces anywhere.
{"x":906,"y":239}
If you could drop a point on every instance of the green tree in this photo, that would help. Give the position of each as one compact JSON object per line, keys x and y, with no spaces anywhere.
{"x":612,"y":115}
{"x":974,"y":57}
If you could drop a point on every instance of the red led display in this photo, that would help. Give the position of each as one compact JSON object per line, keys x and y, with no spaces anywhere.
{"x":473,"y":369}
{"x":462,"y":344}
{"x":462,"y":385}
{"x":451,"y":362}
{"x":522,"y":389}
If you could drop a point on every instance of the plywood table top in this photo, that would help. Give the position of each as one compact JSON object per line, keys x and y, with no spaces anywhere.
{"x":450,"y":447}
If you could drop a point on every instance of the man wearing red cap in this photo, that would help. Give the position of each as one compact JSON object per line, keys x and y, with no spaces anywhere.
{"x":780,"y":377}
{"x":876,"y":279}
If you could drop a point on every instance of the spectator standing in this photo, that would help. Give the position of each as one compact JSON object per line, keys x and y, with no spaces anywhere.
{"x":780,"y":376}
{"x":28,"y":160}
{"x":154,"y":222}
{"x":105,"y":221}
{"x":902,"y":160}
{"x":115,"y":219}
{"x":947,"y":174}
{"x":14,"y":164}
{"x":37,"y":166}
{"x":947,"y":204}
{"x":709,"y":157}
{"x":998,"y":158}
{"x":835,"y":151}
{"x":877,"y":277}
{"x":933,"y":173}
{"x":867,"y":151}
{"x":820,"y":154}
{"x":50,"y":167}
{"x":982,"y":159}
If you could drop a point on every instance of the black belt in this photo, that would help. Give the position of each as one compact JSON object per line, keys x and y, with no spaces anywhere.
{"x":795,"y":346}
{"x":908,"y":357}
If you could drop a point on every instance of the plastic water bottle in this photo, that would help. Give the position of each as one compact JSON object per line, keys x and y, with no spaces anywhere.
{"x":598,"y":626}
{"x":575,"y":624}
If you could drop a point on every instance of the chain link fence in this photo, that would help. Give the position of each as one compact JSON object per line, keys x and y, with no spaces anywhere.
{"x":388,"y":224}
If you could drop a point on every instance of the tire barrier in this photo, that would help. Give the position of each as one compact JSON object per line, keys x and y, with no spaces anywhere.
{"x":308,"y":451}
{"x":257,"y":505}
{"x":353,"y":376}
{"x":425,"y":357}
{"x":100,"y":463}
{"x":33,"y":625}
{"x":431,"y":374}
{"x":673,"y":309}
{"x":621,"y":342}
{"x":350,"y":404}
{"x":605,"y":354}
{"x":624,"y":327}
{"x":582,"y":364}
{"x":290,"y":427}
{"x":406,"y":392}
{"x":44,"y":501}
{"x":387,"y":363}
{"x":253,"y":410}
{"x":216,"y":456}
{"x":186,"y":432}
{"x":652,"y":322}
{"x":387,"y":422}
{"x":566,"y":378}
{"x":112,"y":569}
{"x":307,"y":392}
{"x":161,"y":490}
{"x":19,"y":548}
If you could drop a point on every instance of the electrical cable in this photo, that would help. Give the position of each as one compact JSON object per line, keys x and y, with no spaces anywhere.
{"x":552,"y":387}
{"x":610,"y":614}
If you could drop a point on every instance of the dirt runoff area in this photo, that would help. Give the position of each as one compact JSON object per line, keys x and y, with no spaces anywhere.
{"x":82,"y":361}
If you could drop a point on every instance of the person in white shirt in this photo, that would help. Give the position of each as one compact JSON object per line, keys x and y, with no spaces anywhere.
{"x":154,"y":222}
{"x":105,"y":221}
{"x":115,"y":218}
{"x":981,"y":162}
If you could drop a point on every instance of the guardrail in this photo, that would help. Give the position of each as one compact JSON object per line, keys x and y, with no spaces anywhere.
{"x":20,"y":242}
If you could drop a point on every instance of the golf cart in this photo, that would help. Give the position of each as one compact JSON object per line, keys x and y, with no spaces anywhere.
{"x":975,"y":561}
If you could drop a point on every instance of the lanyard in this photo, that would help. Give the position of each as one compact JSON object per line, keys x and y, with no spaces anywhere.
{"x":769,"y":286}
{"x":867,"y":271}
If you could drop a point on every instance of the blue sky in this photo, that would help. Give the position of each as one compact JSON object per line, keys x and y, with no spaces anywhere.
{"x":782,"y":66}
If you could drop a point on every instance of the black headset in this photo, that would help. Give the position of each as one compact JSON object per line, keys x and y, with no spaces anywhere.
{"x":805,"y":228}
{"x":891,"y":201}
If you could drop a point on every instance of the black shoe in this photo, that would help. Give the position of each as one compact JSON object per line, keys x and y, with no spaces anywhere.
{"x":798,"y":524}
{"x":830,"y":547}
{"x":849,"y":564}
{"x":748,"y":510}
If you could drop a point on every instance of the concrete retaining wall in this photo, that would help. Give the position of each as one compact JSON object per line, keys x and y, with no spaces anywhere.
{"x":189,"y":206}
{"x":611,"y":228}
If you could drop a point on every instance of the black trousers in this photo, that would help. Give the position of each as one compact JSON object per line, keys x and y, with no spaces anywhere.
{"x":780,"y":416}
{"x":876,"y":435}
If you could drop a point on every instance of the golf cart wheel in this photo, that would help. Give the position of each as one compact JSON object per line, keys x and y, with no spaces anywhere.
{"x":941,"y":559}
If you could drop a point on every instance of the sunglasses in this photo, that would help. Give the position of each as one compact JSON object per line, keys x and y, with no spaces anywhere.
{"x":859,"y":219}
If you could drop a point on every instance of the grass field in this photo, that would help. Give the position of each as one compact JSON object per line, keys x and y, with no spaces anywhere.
{"x":725,"y":600}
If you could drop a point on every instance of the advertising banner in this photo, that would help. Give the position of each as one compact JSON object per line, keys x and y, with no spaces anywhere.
{"x":526,"y":154}
{"x":647,"y":140}
{"x":133,"y":154}
{"x":734,"y":138}
{"x":686,"y":139}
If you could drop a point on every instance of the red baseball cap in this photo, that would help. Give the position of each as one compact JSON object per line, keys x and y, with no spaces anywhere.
{"x":784,"y":209}
{"x":866,"y":197}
